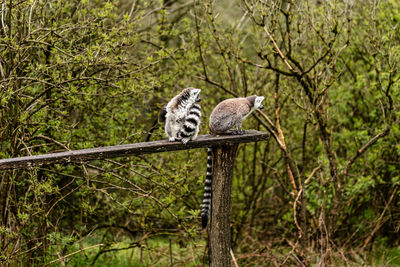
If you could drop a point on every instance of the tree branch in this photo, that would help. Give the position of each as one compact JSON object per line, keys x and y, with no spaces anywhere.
{"x":379,"y":221}
{"x":360,"y":151}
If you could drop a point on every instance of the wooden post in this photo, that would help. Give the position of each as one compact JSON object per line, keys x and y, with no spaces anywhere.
{"x":220,"y":232}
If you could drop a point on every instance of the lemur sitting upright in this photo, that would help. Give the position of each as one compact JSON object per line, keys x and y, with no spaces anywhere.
{"x":226,"y":115}
{"x":182,"y":116}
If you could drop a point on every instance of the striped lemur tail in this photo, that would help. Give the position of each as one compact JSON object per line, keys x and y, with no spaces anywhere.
{"x":206,"y":206}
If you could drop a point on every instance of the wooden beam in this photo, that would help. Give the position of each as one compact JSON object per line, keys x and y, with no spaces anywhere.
{"x":83,"y":155}
{"x":220,"y":228}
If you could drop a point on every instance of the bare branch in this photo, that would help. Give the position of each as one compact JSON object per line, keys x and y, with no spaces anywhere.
{"x":379,"y":221}
{"x":360,"y":151}
{"x":277,"y":49}
{"x":73,"y":253}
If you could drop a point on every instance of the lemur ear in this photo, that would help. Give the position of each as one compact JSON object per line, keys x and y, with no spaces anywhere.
{"x":196,"y":91}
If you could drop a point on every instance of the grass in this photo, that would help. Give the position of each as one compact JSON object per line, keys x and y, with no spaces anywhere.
{"x":172,"y":251}
{"x":157,"y":251}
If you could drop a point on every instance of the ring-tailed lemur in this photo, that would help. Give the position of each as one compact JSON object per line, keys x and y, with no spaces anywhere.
{"x":182,"y":116}
{"x":226,"y":115}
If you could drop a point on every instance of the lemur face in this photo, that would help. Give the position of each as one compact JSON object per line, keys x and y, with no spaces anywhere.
{"x":257,"y":102}
{"x":195,"y":95}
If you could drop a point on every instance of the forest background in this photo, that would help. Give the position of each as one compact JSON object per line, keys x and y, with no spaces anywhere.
{"x":80,"y":74}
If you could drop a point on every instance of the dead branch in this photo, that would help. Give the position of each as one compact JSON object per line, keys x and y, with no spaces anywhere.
{"x":360,"y":151}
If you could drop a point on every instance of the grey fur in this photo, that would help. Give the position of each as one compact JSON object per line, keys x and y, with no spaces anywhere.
{"x":231,"y":112}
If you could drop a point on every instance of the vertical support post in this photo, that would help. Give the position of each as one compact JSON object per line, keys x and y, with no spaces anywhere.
{"x":220,"y":232}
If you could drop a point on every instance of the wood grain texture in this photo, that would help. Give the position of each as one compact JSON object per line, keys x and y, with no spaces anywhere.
{"x":83,"y":155}
{"x":220,"y":229}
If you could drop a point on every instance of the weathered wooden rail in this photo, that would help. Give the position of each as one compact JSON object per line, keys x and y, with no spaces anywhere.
{"x":224,"y":153}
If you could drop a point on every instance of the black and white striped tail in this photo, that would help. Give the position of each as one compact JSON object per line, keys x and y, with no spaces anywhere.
{"x":192,"y":122}
{"x":206,"y":206}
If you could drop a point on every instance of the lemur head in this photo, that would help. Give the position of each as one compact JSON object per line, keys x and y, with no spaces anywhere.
{"x":255,"y":102}
{"x":188,"y":96}
{"x":194,"y":95}
{"x":258,"y":103}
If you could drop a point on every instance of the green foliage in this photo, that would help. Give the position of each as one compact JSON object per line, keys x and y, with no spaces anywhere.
{"x":83,"y":74}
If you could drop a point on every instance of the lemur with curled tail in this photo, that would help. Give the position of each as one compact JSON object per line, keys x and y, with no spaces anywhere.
{"x":226,"y":115}
{"x":182,"y":116}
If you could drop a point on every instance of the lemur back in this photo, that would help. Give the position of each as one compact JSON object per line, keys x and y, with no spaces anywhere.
{"x":226,"y":115}
{"x":177,"y":113}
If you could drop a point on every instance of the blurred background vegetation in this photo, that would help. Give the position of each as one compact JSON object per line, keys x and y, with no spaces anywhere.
{"x":80,"y":74}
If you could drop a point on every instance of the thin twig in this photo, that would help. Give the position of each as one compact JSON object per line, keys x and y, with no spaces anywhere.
{"x":52,"y":140}
{"x":379,"y":221}
{"x":2,"y":17}
{"x":73,"y":253}
{"x":298,"y":260}
{"x":170,"y":252}
{"x":272,"y":130}
{"x":295,"y":213}
{"x":282,"y":137}
{"x":277,"y":49}
{"x":206,"y":79}
{"x":30,"y":18}
{"x":234,"y":259}
{"x":291,"y":251}
{"x":312,"y":174}
{"x":63,"y":197}
{"x":364,"y":148}
{"x":203,"y":60}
